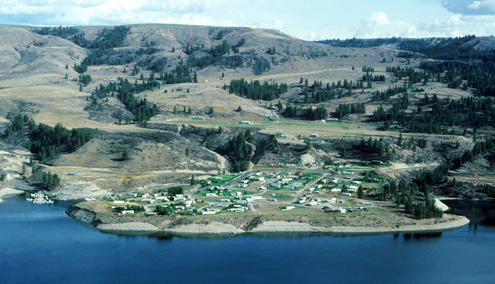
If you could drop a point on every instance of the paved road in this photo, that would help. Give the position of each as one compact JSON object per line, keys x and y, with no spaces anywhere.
{"x":298,"y":193}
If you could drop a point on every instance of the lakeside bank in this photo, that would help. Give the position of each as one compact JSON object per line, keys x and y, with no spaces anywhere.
{"x":89,"y":213}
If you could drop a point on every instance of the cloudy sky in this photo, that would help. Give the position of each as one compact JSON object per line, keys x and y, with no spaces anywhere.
{"x":307,"y":19}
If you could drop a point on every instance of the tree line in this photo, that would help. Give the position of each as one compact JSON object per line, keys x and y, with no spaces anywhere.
{"x":45,"y":141}
{"x":346,"y":109}
{"x":254,"y":90}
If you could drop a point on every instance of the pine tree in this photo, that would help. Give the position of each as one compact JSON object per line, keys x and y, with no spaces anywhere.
{"x":125,"y":155}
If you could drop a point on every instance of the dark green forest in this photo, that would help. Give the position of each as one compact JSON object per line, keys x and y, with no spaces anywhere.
{"x":45,"y":141}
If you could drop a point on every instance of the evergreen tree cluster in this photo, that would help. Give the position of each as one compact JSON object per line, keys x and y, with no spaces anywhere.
{"x":174,"y":190}
{"x":18,"y":123}
{"x":411,"y":74}
{"x":254,"y":90}
{"x":346,"y":109}
{"x":368,"y":77}
{"x":391,"y":91}
{"x":125,"y":92}
{"x":85,"y":79}
{"x":404,"y":194}
{"x":111,"y":38}
{"x":102,"y":48}
{"x":213,"y":56}
{"x":239,"y":151}
{"x":164,"y":210}
{"x":63,"y":32}
{"x":50,"y":181}
{"x":446,"y":48}
{"x":45,"y":141}
{"x":181,"y":74}
{"x":319,"y":113}
{"x":466,"y":112}
{"x":479,"y":76}
{"x":357,"y":42}
{"x":373,"y":146}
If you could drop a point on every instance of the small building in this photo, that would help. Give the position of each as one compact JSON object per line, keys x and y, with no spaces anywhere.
{"x":287,"y":208}
{"x":246,"y":122}
{"x":313,"y":135}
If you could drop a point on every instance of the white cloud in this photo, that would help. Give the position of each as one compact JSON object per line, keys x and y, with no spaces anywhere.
{"x":459,"y":25}
{"x":107,"y":12}
{"x":470,"y":7}
{"x":379,"y":25}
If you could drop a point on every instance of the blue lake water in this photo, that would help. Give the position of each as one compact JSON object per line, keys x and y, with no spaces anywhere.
{"x":41,"y":244}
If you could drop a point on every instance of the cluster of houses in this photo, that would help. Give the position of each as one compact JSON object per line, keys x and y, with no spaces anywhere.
{"x":342,"y":210}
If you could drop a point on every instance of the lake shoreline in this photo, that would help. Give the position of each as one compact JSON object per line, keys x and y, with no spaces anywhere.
{"x":252,"y":223}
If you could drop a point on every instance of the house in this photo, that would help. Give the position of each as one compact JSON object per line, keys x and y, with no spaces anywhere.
{"x":346,"y":194}
{"x":211,"y":194}
{"x":209,"y":211}
{"x":352,"y":188}
{"x":124,"y":212}
{"x":287,"y":208}
{"x":335,"y":189}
